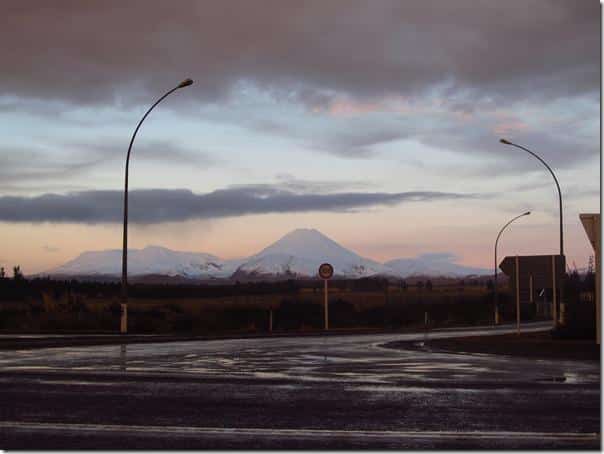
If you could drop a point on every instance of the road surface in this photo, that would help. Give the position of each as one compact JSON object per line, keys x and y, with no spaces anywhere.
{"x":311,"y":392}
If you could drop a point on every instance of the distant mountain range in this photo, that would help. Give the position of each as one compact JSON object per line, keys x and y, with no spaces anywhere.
{"x":296,"y":255}
{"x":434,"y":265}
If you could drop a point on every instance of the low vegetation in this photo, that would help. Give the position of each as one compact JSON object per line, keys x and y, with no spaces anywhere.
{"x":44,"y":305}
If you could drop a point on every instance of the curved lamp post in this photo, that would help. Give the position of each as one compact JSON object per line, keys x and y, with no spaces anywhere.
{"x":496,"y":296}
{"x":555,"y":311}
{"x":507,"y":142}
{"x":124,"y":319}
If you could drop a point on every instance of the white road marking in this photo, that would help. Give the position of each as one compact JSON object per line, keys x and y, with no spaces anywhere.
{"x":326,"y":433}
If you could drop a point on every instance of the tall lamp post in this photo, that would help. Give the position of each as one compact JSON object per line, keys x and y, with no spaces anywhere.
{"x":507,"y":142}
{"x":496,"y":295}
{"x":124,"y":316}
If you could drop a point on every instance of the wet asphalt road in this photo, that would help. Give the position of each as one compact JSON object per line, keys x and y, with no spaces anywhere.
{"x":311,"y":392}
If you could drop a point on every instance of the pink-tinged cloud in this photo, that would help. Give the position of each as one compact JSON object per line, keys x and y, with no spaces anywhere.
{"x":392,"y":104}
{"x":509,"y":127}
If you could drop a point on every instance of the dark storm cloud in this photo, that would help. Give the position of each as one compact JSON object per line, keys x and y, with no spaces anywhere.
{"x":110,"y":51}
{"x":160,"y":205}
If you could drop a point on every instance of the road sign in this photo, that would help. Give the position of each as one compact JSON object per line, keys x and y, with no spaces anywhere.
{"x":535,"y":271}
{"x":325,"y":271}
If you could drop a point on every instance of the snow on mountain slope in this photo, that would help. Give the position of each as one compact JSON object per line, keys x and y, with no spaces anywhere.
{"x":150,"y":260}
{"x":435,"y":264}
{"x":300,"y":252}
{"x":297,"y":254}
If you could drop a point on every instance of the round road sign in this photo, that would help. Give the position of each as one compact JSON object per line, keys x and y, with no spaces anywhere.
{"x":325,"y":271}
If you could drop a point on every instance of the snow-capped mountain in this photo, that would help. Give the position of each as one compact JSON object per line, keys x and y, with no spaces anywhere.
{"x":297,"y":254}
{"x":300,"y":252}
{"x":435,"y":264}
{"x":150,"y":260}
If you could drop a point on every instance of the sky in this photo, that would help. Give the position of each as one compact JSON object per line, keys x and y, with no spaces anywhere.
{"x":375,"y":122}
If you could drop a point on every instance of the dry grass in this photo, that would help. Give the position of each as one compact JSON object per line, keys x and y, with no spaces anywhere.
{"x":247,"y":312}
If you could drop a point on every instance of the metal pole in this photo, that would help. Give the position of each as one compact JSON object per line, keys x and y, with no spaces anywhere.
{"x":517,"y":296}
{"x":554,"y":296}
{"x":598,"y":288}
{"x":425,"y":328}
{"x":270,"y":320}
{"x":496,"y":295}
{"x":124,"y":318}
{"x":326,"y":306}
{"x":124,"y":292}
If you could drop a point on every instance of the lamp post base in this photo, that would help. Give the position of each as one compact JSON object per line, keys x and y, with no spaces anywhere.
{"x":124,"y":319}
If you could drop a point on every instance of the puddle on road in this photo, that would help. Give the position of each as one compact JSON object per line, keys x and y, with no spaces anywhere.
{"x":355,"y":360}
{"x":76,"y":382}
{"x":571,"y":377}
{"x":558,"y":379}
{"x":275,"y":375}
{"x":420,"y":389}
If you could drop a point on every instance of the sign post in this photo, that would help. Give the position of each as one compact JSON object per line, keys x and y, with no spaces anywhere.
{"x":326,"y":305}
{"x":554,"y":293}
{"x":325,"y":273}
{"x":270,"y":320}
{"x":517,"y":298}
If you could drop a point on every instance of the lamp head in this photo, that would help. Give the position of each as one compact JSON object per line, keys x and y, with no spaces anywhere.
{"x":185,"y":83}
{"x":527,"y":213}
{"x":506,"y":142}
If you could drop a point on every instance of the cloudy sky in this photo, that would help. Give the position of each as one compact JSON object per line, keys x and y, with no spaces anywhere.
{"x":376,"y":122}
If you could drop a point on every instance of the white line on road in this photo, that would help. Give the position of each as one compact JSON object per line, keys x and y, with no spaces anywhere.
{"x":266,"y":432}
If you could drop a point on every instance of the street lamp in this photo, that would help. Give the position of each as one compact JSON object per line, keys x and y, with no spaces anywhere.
{"x":496,"y":296}
{"x":506,"y":142}
{"x":124,"y":319}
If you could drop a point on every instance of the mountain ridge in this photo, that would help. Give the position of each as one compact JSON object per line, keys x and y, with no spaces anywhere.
{"x":297,"y":254}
